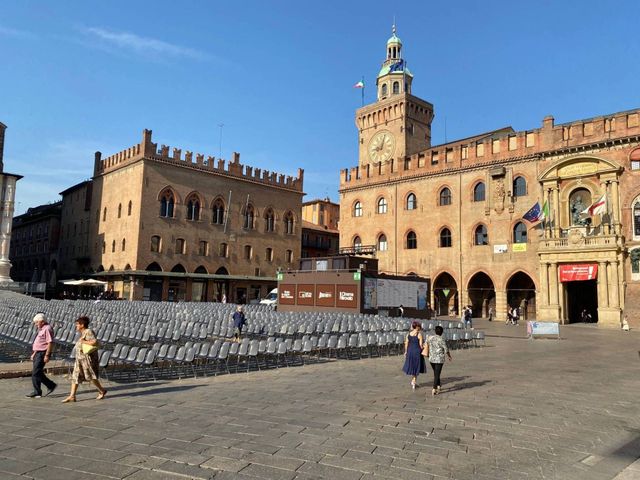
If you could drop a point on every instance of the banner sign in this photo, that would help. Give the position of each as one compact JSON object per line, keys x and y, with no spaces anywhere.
{"x":347,"y":296}
{"x":305,"y":294}
{"x":578,"y":272}
{"x":502,"y":248}
{"x":543,"y":328}
{"x":325,"y":295}
{"x":287,"y":294}
{"x":519,"y":247}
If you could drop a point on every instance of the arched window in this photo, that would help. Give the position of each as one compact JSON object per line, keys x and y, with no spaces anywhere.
{"x":478,"y":192}
{"x":519,"y":187}
{"x":180,"y":246}
{"x":382,"y":242}
{"x":217,"y":212}
{"x":412,"y":201}
{"x":223,"y":250}
{"x":288,"y":256}
{"x":382,"y":205}
{"x":268,"y":254}
{"x":155,"y":243}
{"x":384,"y":90}
{"x":119,"y":210}
{"x":288,"y":223}
{"x":113,"y":246}
{"x":520,"y":233}
{"x":249,"y":218}
{"x":193,"y":208}
{"x":269,"y":221}
{"x":357,"y":243}
{"x":396,"y":87}
{"x":445,"y":196}
{"x":104,"y":214}
{"x":129,"y":208}
{"x":357,"y":209}
{"x":636,"y":219}
{"x":124,"y":244}
{"x":481,"y":237}
{"x":167,"y":202}
{"x":248,"y":252}
{"x":445,"y":238}
{"x":412,"y":240}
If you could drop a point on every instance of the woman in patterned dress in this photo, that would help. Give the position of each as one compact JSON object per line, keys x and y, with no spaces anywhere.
{"x":437,"y":351}
{"x":87,"y":364}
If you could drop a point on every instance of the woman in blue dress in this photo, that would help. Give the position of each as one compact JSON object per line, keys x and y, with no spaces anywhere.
{"x":414,"y":363}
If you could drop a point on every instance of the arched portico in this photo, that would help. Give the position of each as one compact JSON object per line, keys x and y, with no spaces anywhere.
{"x":482,"y":294}
{"x":521,"y":293}
{"x":445,"y":294}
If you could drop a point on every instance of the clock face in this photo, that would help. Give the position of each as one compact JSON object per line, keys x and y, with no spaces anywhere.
{"x":381,"y":147}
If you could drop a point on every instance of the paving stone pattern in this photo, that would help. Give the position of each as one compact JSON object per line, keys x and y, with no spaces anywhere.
{"x":517,"y":409}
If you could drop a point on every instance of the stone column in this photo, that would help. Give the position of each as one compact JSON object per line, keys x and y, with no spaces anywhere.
{"x":604,"y":188}
{"x":6,"y":218}
{"x":615,"y":207}
{"x":603,"y":291}
{"x":545,"y":199}
{"x":553,"y":284}
{"x":612,"y":283}
{"x":543,"y":298}
{"x":501,"y":305}
{"x":556,"y":211}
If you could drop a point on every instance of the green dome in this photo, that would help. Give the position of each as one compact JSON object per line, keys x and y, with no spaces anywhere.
{"x":385,"y":70}
{"x":394,"y":39}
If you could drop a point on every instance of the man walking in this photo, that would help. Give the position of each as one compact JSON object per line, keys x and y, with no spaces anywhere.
{"x":42,"y":346}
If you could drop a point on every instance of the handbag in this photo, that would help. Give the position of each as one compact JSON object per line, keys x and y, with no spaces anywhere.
{"x":87,"y":349}
{"x":425,"y":349}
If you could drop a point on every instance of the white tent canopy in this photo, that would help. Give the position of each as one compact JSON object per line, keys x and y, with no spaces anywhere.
{"x":84,"y":283}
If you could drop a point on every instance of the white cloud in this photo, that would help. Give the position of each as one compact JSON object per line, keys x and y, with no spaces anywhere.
{"x":12,"y":32}
{"x":145,"y":46}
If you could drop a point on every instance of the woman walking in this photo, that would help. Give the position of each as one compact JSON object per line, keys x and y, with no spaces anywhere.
{"x":87,"y":361}
{"x":414,"y":363}
{"x":437,"y":351}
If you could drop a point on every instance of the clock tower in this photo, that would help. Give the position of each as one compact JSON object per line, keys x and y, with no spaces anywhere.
{"x":398,"y":124}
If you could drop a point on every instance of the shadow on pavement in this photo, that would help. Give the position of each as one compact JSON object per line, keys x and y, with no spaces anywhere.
{"x":155,"y":391}
{"x":464,"y":386}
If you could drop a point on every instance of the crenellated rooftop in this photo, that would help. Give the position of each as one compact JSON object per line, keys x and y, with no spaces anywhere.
{"x":148,"y":150}
{"x":499,"y":146}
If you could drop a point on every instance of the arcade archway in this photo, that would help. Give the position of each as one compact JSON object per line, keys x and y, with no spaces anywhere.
{"x":521,"y":292}
{"x":482,"y":294}
{"x":445,"y":295}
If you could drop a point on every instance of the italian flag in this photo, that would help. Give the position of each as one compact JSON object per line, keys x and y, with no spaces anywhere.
{"x":360,"y":84}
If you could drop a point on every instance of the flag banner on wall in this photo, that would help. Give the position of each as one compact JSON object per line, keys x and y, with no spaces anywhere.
{"x":597,"y":208}
{"x":534,"y":214}
{"x":578,"y":272}
{"x":360,"y":84}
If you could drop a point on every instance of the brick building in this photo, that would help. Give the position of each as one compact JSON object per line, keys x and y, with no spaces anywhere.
{"x":320,"y":236}
{"x":75,"y":230}
{"x":176,"y":226}
{"x":34,"y":244}
{"x":453,"y":212}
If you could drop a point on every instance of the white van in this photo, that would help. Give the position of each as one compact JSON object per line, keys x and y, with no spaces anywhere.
{"x":271,"y":298}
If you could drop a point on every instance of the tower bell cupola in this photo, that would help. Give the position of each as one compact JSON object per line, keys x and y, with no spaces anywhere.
{"x":394,"y":77}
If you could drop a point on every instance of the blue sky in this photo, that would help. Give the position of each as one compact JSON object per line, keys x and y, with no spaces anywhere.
{"x":80,"y":76}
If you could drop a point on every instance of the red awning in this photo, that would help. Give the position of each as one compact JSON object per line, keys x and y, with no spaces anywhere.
{"x":578,"y":271}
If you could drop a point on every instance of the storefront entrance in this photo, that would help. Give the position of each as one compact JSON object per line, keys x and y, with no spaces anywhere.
{"x":581,"y":295}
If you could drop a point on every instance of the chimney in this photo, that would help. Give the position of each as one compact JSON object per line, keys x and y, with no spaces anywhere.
{"x":547,"y":122}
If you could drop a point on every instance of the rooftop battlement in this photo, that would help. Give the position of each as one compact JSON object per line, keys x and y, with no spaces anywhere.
{"x":496,"y":147}
{"x":149,"y":151}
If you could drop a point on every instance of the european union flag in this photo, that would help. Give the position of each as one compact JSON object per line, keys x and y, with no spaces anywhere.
{"x":534,"y":213}
{"x":395,"y":67}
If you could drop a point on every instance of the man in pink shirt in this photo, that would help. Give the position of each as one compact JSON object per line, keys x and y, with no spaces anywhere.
{"x":42,"y":346}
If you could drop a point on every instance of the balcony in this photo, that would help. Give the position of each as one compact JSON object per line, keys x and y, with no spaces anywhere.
{"x":359,"y":250}
{"x":577,"y":239}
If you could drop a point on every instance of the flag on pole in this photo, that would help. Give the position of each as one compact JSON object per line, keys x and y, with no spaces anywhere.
{"x":597,"y":208}
{"x":360,"y":84}
{"x":534,"y":214}
{"x":545,"y":211}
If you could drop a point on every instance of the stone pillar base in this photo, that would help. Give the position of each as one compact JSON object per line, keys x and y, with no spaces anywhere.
{"x":609,"y":318}
{"x":549,"y":313}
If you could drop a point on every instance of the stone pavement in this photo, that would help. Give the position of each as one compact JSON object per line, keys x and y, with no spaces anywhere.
{"x":517,"y":409}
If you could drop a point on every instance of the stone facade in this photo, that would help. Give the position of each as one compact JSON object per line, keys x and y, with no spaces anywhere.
{"x":181,"y":227}
{"x":34,"y":245}
{"x":454,"y":212}
{"x":75,"y":230}
{"x":320,"y":236}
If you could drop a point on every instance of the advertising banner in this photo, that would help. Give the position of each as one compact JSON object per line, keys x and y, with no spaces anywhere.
{"x":287,"y":294}
{"x":306,"y":292}
{"x":326,"y":295}
{"x":370,"y":293}
{"x":347,"y":296}
{"x":578,"y":272}
{"x":543,"y":328}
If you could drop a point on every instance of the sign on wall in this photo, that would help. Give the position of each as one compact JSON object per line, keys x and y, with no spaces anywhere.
{"x":347,"y":296}
{"x":287,"y":294}
{"x":306,"y":293}
{"x":326,"y":295}
{"x":578,"y":272}
{"x":502,"y":248}
{"x":519,"y":247}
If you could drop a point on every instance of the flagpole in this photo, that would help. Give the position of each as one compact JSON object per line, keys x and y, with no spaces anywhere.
{"x":363,"y":86}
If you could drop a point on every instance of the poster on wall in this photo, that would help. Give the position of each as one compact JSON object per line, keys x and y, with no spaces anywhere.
{"x":305,"y":294}
{"x":325,"y":295}
{"x":370,"y":300}
{"x":347,"y":296}
{"x":287,"y":294}
{"x":393,"y":293}
{"x":578,"y":272}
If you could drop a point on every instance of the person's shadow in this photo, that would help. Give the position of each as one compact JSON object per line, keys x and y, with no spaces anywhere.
{"x":464,"y":386}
